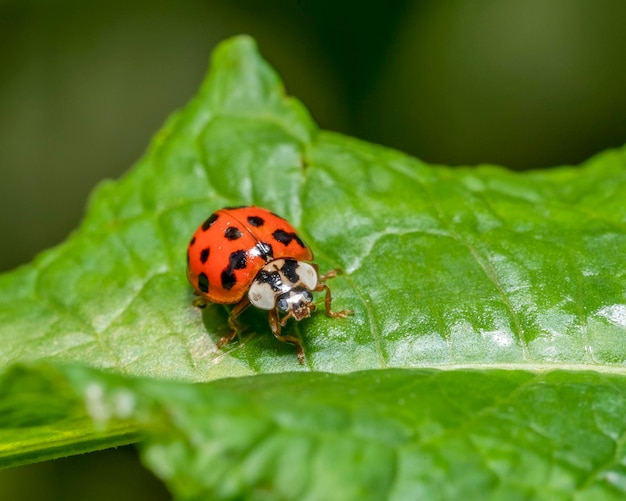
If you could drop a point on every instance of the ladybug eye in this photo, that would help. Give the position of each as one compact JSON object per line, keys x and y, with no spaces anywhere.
{"x":282,"y":304}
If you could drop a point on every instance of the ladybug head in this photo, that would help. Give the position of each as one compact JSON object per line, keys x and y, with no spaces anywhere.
{"x":298,"y":302}
{"x":285,"y":285}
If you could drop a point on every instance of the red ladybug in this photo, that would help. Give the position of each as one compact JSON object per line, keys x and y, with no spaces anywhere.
{"x":249,"y":249}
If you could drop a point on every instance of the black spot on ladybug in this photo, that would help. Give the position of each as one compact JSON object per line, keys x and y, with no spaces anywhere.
{"x":187,"y":258}
{"x":264,"y":250}
{"x":272,"y":278}
{"x":203,"y":283}
{"x":289,"y":270}
{"x":237,"y":260}
{"x":286,"y":237}
{"x":236,"y":207}
{"x":193,"y":241}
{"x":228,"y":279}
{"x":283,"y":237}
{"x":232,"y":233}
{"x":256,"y":221}
{"x":204,"y":255}
{"x":209,"y":222}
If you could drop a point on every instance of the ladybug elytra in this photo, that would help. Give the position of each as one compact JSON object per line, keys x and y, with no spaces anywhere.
{"x":250,"y":256}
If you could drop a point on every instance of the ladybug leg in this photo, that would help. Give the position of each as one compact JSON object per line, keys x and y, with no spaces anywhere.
{"x":283,"y":321}
{"x":275,"y":324}
{"x":321,"y":287}
{"x":199,"y":302}
{"x":330,"y":274}
{"x":232,"y":322}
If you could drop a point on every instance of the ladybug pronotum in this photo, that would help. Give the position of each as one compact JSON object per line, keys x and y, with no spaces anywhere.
{"x":250,"y":256}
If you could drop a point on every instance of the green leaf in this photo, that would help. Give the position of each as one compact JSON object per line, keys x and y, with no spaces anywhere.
{"x":445,"y":268}
{"x":379,"y":434}
{"x":43,"y":417}
{"x":395,"y":434}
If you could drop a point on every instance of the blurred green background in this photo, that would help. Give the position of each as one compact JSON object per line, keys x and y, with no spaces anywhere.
{"x":522,"y":83}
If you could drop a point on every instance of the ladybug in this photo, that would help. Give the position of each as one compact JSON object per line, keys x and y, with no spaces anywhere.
{"x":250,"y":256}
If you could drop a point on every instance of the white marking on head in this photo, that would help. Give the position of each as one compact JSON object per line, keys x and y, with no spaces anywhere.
{"x":307,"y":274}
{"x":262,"y":296}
